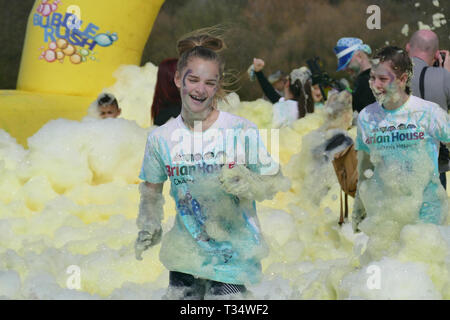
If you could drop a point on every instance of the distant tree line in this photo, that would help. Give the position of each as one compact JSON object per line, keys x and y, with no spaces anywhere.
{"x":283,"y":33}
{"x":287,"y":33}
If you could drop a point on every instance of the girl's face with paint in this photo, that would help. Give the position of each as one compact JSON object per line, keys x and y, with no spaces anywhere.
{"x":198,"y":84}
{"x":388,"y":89}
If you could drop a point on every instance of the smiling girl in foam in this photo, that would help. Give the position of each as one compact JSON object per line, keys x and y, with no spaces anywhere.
{"x":398,"y":139}
{"x":215,"y":246}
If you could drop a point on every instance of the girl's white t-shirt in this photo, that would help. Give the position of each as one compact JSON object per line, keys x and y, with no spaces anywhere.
{"x":193,"y":162}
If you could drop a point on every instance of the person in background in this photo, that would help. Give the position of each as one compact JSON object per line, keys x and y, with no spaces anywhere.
{"x":107,"y":106}
{"x":166,"y":100}
{"x":297,"y":100}
{"x":273,"y":94}
{"x":353,"y":58}
{"x":423,"y":49}
{"x":277,"y":80}
{"x":317,"y":96}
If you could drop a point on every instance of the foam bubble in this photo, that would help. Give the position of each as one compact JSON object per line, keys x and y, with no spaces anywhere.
{"x":389,"y":279}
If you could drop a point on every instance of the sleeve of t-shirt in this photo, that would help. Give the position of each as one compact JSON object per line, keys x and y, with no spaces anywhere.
{"x":153,"y":169}
{"x":359,"y":144}
{"x":440,"y":125}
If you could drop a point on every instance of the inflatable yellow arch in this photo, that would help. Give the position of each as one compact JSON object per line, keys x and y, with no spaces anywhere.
{"x":70,"y":52}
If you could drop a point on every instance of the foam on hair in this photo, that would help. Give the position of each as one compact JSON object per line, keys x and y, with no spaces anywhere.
{"x":300,"y":86}
{"x":106,"y":99}
{"x":399,"y":60}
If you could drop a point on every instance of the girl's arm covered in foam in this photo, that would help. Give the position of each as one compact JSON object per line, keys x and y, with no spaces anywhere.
{"x":150,"y":216}
{"x":250,"y":185}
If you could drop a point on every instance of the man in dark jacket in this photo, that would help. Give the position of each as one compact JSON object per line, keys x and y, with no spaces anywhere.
{"x":353,"y":57}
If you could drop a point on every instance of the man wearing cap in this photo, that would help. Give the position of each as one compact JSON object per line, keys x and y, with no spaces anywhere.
{"x":423,"y":49}
{"x":353,"y":57}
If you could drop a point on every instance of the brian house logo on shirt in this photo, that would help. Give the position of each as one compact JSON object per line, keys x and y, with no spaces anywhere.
{"x":393,"y":134}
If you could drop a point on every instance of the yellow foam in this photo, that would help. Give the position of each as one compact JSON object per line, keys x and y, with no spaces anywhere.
{"x":23,"y":113}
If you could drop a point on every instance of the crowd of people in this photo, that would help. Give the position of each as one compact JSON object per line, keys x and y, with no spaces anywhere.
{"x":400,"y":98}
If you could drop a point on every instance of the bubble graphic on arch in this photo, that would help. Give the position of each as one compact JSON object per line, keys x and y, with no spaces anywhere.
{"x":46,"y":8}
{"x":48,"y":55}
{"x":106,"y":39}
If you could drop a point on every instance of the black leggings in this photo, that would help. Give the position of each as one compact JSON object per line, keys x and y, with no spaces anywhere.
{"x":443,"y":179}
{"x":195,"y":288}
{"x":443,"y":160}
